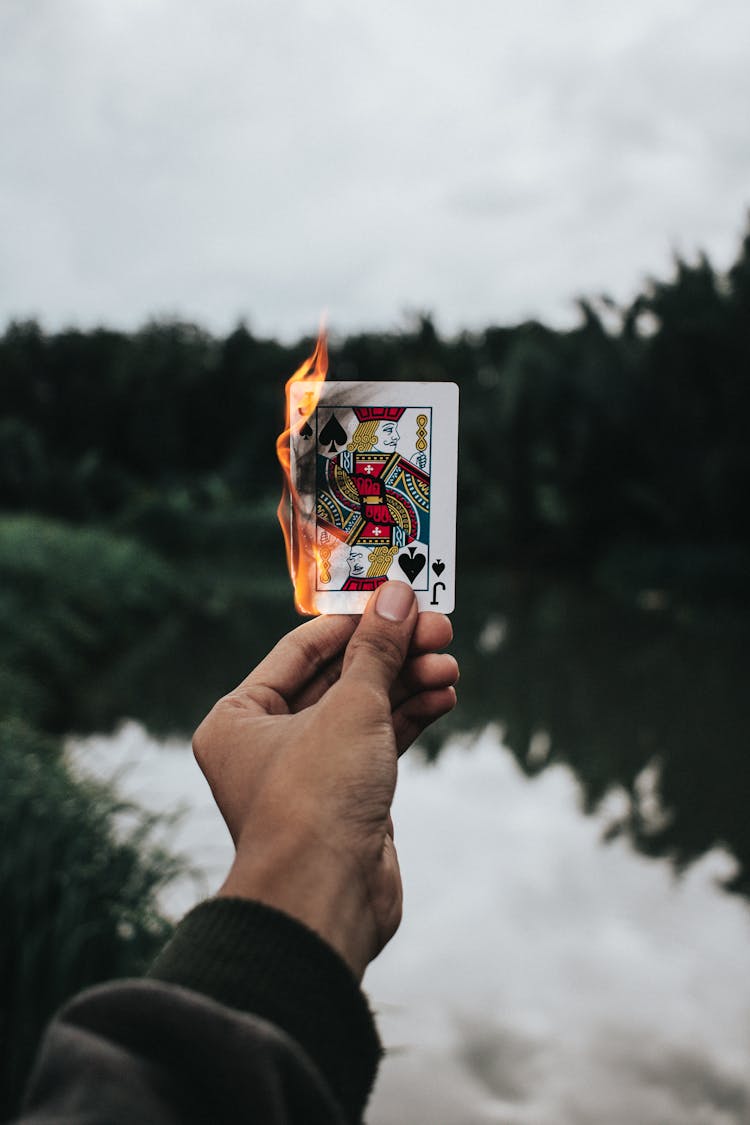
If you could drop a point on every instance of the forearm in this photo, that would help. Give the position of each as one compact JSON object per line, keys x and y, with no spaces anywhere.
{"x":309,"y":882}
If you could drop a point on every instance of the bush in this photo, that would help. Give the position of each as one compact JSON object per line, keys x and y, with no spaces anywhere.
{"x":78,"y":892}
{"x":73,"y":604}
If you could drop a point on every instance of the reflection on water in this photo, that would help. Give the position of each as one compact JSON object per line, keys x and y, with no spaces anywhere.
{"x":652,"y":701}
{"x":540,"y":976}
{"x":645,"y":698}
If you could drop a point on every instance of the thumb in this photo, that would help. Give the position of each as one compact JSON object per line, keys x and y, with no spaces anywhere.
{"x":378,"y":648}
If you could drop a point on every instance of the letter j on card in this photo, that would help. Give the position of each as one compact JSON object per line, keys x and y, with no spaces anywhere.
{"x":373,"y":472}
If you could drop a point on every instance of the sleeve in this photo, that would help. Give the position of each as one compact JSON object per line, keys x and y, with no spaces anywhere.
{"x":246,"y":1015}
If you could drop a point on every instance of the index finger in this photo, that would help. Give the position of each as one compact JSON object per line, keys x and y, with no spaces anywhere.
{"x":300,"y":656}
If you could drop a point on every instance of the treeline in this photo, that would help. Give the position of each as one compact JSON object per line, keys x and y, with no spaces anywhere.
{"x":631,"y":427}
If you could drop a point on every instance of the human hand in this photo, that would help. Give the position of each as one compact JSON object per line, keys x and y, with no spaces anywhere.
{"x":301,"y":760}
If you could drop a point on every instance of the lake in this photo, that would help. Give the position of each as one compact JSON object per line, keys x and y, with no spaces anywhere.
{"x":569,"y":951}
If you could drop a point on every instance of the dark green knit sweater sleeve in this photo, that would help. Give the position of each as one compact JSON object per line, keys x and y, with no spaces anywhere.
{"x":256,"y":959}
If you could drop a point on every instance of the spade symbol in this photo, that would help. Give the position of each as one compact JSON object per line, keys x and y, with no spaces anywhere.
{"x":438,"y":567}
{"x":334,"y":432}
{"x":411,"y":564}
{"x":306,"y":431}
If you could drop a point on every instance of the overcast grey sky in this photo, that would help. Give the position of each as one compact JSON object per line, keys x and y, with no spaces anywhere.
{"x":483,"y":160}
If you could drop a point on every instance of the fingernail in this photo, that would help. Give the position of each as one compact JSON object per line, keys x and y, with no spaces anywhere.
{"x":394,"y":601}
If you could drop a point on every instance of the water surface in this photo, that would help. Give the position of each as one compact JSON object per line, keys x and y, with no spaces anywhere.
{"x":541,"y":974}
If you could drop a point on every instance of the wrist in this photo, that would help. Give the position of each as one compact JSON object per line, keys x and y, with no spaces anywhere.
{"x":316,"y":889}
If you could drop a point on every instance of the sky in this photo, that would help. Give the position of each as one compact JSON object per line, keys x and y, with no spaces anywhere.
{"x":267,"y":160}
{"x":539,"y":977}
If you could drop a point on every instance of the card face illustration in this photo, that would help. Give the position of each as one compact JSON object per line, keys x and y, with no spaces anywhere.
{"x":373,"y":467}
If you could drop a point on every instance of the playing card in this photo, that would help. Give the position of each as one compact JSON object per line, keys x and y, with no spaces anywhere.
{"x":373,"y":471}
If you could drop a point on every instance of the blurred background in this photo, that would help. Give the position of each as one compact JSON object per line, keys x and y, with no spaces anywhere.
{"x":546,"y":204}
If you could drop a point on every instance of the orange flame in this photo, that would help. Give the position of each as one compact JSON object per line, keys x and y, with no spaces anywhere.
{"x":301,"y":548}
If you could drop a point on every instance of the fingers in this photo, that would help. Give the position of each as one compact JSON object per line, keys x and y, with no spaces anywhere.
{"x":421,"y":670}
{"x":376,"y":652}
{"x":420,"y":673}
{"x":422,"y":693}
{"x":428,"y":672}
{"x":298,"y":663}
{"x":432,"y":632}
{"x":417,"y":712}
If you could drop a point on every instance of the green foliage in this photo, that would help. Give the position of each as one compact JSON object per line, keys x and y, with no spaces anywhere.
{"x":96,"y":626}
{"x":74,"y":602}
{"x":693,"y":398}
{"x":77,"y":892}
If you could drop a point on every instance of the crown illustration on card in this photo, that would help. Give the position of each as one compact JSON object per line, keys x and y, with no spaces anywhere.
{"x":379,"y":413}
{"x":369,"y":418}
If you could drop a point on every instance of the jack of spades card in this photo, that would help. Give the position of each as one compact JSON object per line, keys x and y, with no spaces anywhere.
{"x":374,"y":471}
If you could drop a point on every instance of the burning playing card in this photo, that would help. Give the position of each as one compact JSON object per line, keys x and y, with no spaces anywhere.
{"x":372,"y":475}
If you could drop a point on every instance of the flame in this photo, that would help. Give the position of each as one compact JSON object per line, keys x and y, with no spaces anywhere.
{"x":301,"y":548}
